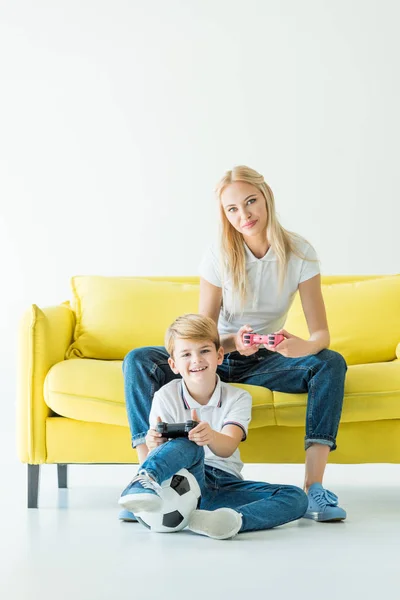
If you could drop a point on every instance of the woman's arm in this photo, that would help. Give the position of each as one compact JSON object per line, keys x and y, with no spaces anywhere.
{"x":210,"y":306}
{"x":314,"y":312}
{"x":210,"y":300}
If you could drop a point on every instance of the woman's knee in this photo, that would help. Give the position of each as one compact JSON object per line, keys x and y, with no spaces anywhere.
{"x":332,"y":359}
{"x":141,"y":357}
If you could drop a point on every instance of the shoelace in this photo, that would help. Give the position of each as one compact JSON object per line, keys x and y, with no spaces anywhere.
{"x":323,"y":497}
{"x":146,"y":482}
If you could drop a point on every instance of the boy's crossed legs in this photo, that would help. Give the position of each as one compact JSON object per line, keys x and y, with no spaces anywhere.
{"x":262,"y":505}
{"x":229,"y":505}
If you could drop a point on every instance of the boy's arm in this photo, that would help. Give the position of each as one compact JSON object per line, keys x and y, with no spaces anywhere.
{"x":234,"y":429}
{"x":224,"y":444}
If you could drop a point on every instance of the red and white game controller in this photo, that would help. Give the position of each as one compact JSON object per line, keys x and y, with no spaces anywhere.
{"x":272,"y":339}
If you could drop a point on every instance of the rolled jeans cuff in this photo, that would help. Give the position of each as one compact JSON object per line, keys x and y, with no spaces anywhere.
{"x":138,"y":439}
{"x":323,"y":440}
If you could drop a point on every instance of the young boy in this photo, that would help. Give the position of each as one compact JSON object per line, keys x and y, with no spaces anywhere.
{"x":229,"y":505}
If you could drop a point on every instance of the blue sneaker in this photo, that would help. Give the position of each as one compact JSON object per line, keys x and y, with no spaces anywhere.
{"x":323,"y":505}
{"x":141,"y":495}
{"x":127,"y":515}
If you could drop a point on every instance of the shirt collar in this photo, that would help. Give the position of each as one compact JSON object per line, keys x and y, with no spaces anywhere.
{"x":191,"y":403}
{"x":250,"y":258}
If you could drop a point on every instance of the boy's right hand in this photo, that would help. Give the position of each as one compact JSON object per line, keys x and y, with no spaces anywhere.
{"x":240,"y":347}
{"x":153,"y":438}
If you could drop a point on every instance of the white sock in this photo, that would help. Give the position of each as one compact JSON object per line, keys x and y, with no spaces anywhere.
{"x":219,"y":524}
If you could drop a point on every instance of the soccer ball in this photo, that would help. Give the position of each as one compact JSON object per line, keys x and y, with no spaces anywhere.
{"x":181,"y":496}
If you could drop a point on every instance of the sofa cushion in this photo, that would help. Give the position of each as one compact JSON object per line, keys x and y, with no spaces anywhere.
{"x":116,"y":314}
{"x":371,"y":394}
{"x":93,"y":391}
{"x":113,"y":314}
{"x":363,"y":317}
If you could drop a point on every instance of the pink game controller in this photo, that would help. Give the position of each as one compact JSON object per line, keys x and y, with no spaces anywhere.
{"x":272,"y":339}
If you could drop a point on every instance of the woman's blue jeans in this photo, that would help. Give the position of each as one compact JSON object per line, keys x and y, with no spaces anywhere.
{"x":322,"y":375}
{"x":262,"y":505}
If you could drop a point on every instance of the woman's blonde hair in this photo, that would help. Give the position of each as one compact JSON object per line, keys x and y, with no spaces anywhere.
{"x":233,"y":259}
{"x":192,"y":327}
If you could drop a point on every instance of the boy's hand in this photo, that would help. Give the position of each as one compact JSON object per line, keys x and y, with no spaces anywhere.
{"x":202,"y":434}
{"x":153,"y":438}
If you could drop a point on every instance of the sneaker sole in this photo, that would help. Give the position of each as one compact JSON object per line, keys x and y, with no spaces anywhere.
{"x":138,"y":503}
{"x":319,"y":517}
{"x":127,"y":517}
{"x":203,"y":522}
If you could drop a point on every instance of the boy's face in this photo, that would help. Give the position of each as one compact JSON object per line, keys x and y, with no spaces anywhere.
{"x":196,"y":361}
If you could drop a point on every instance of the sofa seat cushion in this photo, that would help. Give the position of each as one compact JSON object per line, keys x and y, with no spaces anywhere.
{"x":372,"y":393}
{"x":93,"y":391}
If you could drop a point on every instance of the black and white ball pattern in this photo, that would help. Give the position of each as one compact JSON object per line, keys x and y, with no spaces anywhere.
{"x":180,"y":495}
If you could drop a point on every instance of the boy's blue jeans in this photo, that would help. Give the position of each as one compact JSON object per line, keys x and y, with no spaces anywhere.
{"x":322,"y":375}
{"x":262,"y":505}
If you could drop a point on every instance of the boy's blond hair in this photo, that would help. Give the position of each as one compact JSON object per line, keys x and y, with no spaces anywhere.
{"x":192,"y":327}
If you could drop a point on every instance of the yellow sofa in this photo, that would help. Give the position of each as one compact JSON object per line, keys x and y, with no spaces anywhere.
{"x":71,"y":406}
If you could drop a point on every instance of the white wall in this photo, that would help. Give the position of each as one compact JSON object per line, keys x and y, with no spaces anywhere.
{"x":118,"y":117}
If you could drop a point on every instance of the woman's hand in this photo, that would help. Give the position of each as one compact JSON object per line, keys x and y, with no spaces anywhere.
{"x":292,"y":346}
{"x":202,"y":434}
{"x":154,"y":439}
{"x":239,"y":345}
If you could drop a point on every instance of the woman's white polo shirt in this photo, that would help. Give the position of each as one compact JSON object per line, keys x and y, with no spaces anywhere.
{"x":266,"y":305}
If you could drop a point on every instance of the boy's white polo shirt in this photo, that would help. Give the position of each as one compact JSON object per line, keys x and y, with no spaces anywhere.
{"x":227,"y":405}
{"x":266,"y":305}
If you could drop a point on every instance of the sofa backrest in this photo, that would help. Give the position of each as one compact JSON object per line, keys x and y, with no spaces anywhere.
{"x":117,"y":314}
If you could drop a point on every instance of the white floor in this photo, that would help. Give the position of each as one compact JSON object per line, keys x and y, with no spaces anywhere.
{"x":74,"y":547}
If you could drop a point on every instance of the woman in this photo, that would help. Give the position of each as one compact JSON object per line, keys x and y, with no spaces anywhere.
{"x":251,"y":277}
{"x":248,"y":282}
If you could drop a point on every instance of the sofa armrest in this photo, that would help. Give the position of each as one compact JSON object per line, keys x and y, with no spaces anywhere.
{"x":44,"y":337}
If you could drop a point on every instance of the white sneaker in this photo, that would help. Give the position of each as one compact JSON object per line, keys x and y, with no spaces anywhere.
{"x":219,"y":524}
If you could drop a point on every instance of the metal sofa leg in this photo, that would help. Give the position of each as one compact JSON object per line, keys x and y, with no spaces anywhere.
{"x":33,"y":485}
{"x":62,"y":476}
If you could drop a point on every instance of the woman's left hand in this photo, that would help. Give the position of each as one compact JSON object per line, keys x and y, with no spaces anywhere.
{"x":292,"y":346}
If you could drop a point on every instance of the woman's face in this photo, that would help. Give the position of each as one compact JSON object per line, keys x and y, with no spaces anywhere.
{"x":245,"y":208}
